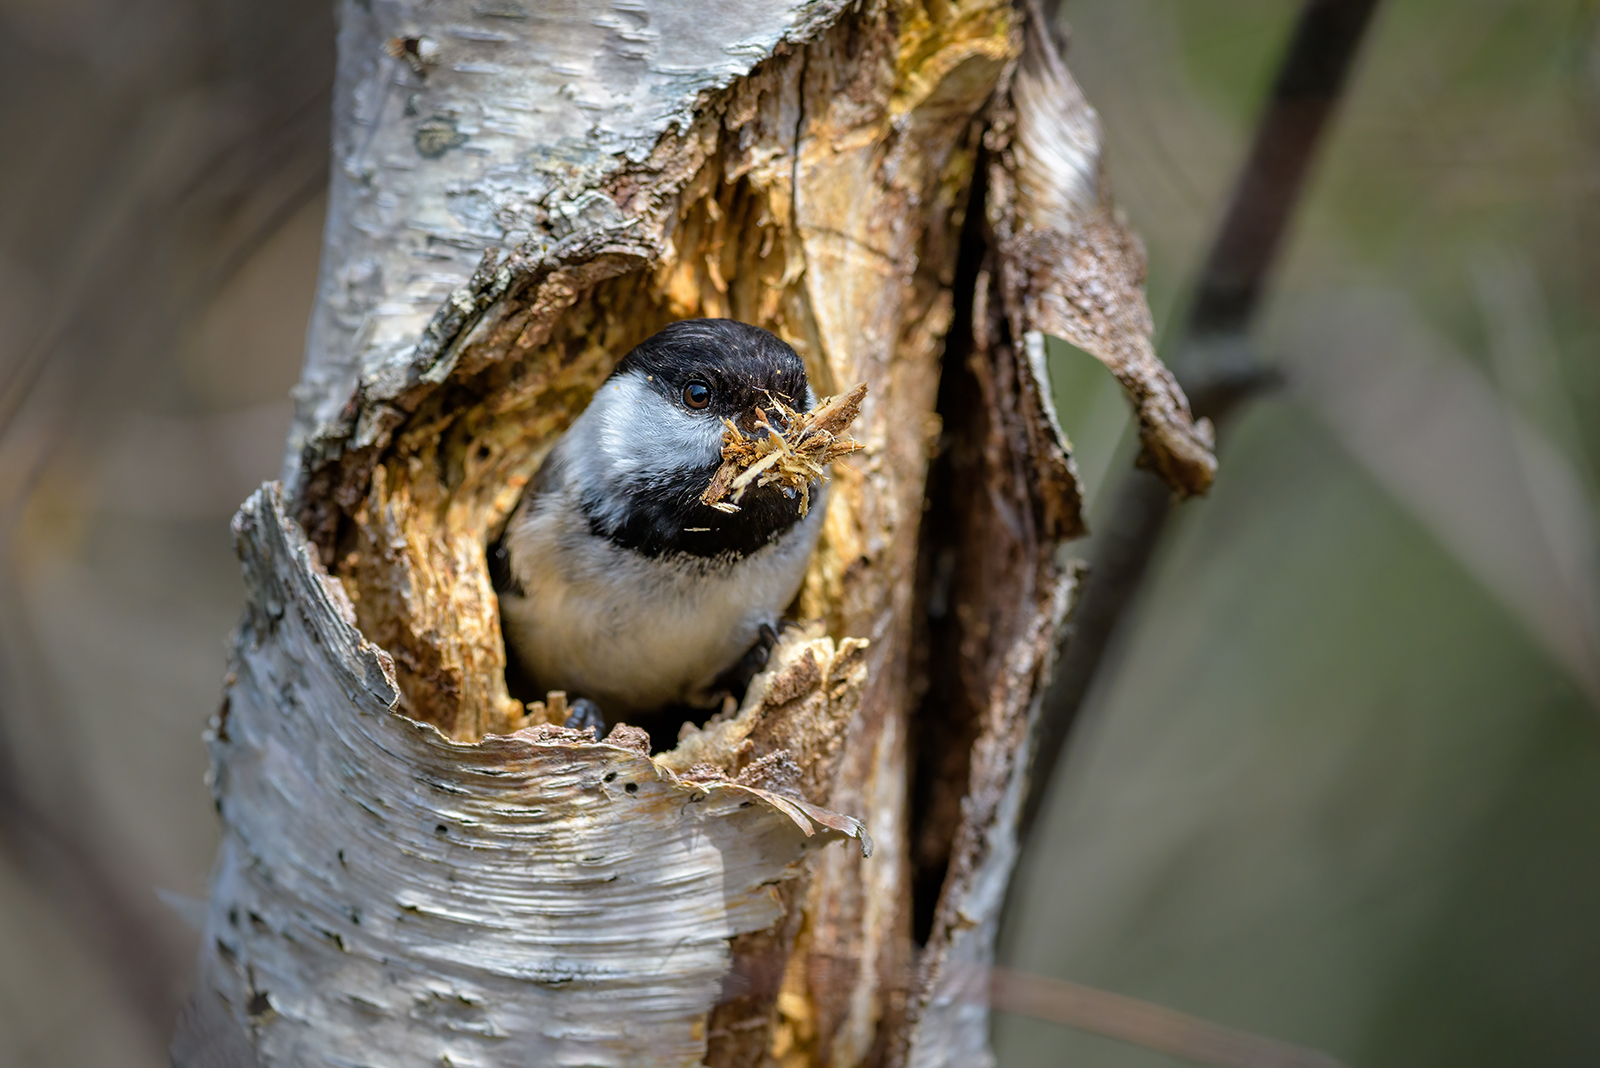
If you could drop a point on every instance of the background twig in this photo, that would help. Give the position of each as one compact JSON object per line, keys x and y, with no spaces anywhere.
{"x":1210,"y":354}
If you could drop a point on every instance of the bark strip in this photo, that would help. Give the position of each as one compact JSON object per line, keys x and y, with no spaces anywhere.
{"x":1069,"y":265}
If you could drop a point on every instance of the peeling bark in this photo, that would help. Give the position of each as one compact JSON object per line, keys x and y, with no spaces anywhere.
{"x":416,"y":867}
{"x":1069,"y":265}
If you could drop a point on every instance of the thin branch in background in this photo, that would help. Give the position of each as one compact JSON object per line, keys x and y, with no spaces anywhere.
{"x":1212,"y":359}
{"x":1142,"y":1023}
{"x":1309,"y":84}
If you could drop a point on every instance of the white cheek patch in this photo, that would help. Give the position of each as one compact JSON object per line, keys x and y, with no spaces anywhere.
{"x":642,"y":433}
{"x":631,"y":436}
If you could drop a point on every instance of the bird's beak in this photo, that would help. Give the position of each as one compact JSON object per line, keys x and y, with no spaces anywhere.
{"x":755,"y":421}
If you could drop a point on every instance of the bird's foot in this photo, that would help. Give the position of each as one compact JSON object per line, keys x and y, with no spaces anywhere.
{"x":585,"y":715}
{"x":736,"y":680}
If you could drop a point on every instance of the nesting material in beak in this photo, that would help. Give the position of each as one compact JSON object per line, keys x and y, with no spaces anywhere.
{"x":791,"y":454}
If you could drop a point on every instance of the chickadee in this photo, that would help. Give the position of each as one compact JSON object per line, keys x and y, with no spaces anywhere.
{"x":616,"y":583}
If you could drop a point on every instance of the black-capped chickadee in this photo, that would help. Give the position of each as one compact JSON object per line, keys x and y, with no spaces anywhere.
{"x":616,"y":583}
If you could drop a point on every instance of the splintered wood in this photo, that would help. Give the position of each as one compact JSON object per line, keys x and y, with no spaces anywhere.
{"x":792,"y":454}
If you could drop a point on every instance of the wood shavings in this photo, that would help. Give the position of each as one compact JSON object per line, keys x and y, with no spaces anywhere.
{"x":794,"y":452}
{"x":788,"y":734}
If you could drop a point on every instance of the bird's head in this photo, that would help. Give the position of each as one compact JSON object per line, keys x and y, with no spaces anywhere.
{"x":651,"y":440}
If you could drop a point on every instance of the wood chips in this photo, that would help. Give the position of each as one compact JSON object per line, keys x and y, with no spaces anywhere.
{"x":792,"y":454}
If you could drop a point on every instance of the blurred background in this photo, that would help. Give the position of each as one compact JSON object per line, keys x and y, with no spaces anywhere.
{"x":1339,"y":780}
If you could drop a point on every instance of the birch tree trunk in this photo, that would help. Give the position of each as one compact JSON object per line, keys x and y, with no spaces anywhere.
{"x":416,"y":868}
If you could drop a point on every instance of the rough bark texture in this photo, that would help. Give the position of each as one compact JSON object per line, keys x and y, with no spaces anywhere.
{"x":416,"y":869}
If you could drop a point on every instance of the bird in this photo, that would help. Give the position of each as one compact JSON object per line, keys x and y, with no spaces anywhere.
{"x":617,"y":584}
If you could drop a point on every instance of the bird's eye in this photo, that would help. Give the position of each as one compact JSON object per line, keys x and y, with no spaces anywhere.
{"x":697,"y":394}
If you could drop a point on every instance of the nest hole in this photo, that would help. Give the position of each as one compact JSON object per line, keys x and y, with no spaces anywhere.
{"x":411,"y":545}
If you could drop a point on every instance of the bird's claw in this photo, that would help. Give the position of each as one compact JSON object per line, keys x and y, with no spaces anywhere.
{"x":585,"y":715}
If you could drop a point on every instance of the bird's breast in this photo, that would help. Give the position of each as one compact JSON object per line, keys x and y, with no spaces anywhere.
{"x":635,"y":632}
